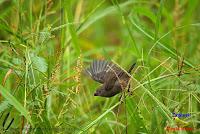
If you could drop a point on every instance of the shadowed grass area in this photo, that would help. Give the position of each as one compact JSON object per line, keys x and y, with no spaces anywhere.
{"x":46,"y":45}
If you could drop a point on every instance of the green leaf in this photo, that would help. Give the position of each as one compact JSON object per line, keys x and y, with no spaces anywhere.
{"x":98,"y":119}
{"x":135,"y":116}
{"x":44,"y":36}
{"x":4,"y":105}
{"x":146,"y":12}
{"x":39,"y":63}
{"x":14,"y":102}
{"x":102,"y":13}
{"x":167,"y":48}
{"x":154,"y":122}
{"x":72,"y":31}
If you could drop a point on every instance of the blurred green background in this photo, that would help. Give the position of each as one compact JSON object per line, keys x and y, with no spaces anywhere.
{"x":46,"y":45}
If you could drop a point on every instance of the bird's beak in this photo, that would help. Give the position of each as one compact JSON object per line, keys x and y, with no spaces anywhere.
{"x":95,"y":94}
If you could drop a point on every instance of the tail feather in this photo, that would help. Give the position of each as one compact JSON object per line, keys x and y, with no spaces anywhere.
{"x":131,"y":68}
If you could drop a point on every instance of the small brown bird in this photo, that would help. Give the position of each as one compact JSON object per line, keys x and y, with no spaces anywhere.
{"x":112,"y":77}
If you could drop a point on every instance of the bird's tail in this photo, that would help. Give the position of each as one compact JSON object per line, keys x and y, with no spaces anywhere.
{"x":131,"y":68}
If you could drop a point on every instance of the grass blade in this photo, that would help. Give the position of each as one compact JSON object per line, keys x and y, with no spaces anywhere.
{"x":98,"y":119}
{"x":13,"y":101}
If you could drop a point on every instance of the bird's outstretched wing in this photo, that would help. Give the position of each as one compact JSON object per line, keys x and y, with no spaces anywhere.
{"x":100,"y":69}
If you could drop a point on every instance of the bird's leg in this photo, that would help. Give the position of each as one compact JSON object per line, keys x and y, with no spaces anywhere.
{"x":129,"y":85}
{"x":120,"y":98}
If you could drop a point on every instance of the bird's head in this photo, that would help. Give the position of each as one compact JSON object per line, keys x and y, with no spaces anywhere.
{"x":103,"y":92}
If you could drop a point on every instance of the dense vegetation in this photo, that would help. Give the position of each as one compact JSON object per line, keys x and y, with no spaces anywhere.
{"x":45,"y":45}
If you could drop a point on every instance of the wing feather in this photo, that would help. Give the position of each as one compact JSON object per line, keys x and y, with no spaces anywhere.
{"x":99,"y":70}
